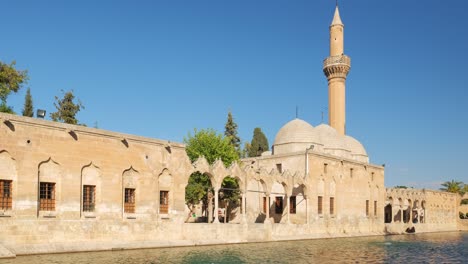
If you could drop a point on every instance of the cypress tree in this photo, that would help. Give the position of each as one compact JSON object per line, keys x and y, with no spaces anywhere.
{"x":259,"y":143}
{"x":230,"y":131}
{"x":28,"y":109}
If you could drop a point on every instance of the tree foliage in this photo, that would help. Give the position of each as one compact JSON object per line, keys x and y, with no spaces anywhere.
{"x":230,"y":194}
{"x":66,"y":109}
{"x":197,"y":189}
{"x":453,"y":187}
{"x":259,"y":143}
{"x":230,"y":131}
{"x":28,"y":109}
{"x":11,"y":80}
{"x":211,"y":145}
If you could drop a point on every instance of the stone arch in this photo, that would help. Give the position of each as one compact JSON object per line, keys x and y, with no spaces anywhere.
{"x":388,"y":210}
{"x":9,"y":177}
{"x":407,"y":211}
{"x":166,"y":194}
{"x":91,"y":185}
{"x":278,"y":201}
{"x":202,"y":211}
{"x":49,"y":187}
{"x":131,"y":195}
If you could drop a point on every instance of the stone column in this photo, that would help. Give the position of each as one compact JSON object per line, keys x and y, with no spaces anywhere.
{"x":244,"y":209}
{"x":216,"y":220}
{"x":267,"y":219}
{"x":287,"y":208}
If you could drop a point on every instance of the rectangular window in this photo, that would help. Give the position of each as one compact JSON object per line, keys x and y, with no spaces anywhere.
{"x":319,"y":205}
{"x":129,"y":202}
{"x":292,"y":204}
{"x":47,"y":196}
{"x":89,"y":198}
{"x":332,"y":205}
{"x":278,"y":205}
{"x":375,"y":208}
{"x":325,"y":165}
{"x":163,"y":202}
{"x":367,"y":207}
{"x":5,"y":195}
{"x":279,"y":167}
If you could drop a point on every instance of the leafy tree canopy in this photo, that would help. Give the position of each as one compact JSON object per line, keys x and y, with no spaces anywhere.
{"x":259,"y":143}
{"x":213,"y":146}
{"x":66,"y":108}
{"x":230,"y":131}
{"x":28,"y":109}
{"x":197,"y":189}
{"x":11,"y":80}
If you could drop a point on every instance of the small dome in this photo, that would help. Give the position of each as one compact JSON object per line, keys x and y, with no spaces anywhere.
{"x":355,"y":146}
{"x":295,"y":131}
{"x":329,"y":137}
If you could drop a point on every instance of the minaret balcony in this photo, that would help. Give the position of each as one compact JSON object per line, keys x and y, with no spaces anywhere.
{"x":336,"y":66}
{"x":340,"y":60}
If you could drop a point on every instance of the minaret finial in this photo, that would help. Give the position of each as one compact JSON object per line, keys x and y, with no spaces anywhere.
{"x":297,"y":112}
{"x":337,"y":3}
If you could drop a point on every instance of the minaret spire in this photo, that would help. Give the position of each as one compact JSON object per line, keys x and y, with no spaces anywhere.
{"x":336,"y":68}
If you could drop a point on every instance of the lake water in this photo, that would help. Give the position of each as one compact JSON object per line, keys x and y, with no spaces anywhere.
{"x":415,"y":248}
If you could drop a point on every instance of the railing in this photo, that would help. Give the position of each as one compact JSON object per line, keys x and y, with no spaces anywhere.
{"x":337,"y":60}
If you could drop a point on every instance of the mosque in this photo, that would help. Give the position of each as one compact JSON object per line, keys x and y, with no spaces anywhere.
{"x":67,"y":188}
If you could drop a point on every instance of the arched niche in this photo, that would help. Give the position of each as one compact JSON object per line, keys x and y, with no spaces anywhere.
{"x":166,"y":194}
{"x":8,"y":182}
{"x":49,"y":187}
{"x":130,"y":192}
{"x":91,"y":184}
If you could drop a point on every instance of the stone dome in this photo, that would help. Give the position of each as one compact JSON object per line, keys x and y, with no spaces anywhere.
{"x":329,"y":137}
{"x":296,"y":135}
{"x":295,"y":131}
{"x":355,"y":146}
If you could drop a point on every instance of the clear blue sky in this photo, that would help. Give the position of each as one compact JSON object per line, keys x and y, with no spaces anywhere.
{"x":162,"y":68}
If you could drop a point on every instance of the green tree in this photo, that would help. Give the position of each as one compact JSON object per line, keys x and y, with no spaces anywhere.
{"x":230,"y":131}
{"x":28,"y":109}
{"x":259,"y":143}
{"x":212,"y":146}
{"x":66,"y":109}
{"x":230,"y":194}
{"x":453,"y":187}
{"x":245,"y":151}
{"x":11,"y":80}
{"x":401,"y":187}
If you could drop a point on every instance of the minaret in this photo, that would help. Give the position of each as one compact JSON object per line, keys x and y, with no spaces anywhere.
{"x":336,"y":68}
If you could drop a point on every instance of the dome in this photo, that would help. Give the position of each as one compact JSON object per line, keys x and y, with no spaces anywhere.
{"x":295,"y":131}
{"x":329,"y":137}
{"x":355,"y":146}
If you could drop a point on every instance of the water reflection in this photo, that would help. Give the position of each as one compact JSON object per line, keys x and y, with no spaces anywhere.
{"x":416,"y":248}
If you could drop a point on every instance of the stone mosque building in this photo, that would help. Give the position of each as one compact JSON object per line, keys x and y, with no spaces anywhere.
{"x":70,"y":188}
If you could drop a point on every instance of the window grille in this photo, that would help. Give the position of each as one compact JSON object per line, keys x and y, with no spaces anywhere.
{"x":47,"y":196}
{"x":163,"y":202}
{"x":129,"y":202}
{"x":5,"y":195}
{"x":292,"y":204}
{"x":278,"y":205}
{"x":89,"y":198}
{"x":319,"y":205}
{"x":367,"y":207}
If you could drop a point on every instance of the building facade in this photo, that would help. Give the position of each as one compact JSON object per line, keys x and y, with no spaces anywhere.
{"x":72,"y":188}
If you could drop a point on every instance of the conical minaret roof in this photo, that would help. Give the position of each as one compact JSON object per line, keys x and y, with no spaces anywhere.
{"x":336,"y":18}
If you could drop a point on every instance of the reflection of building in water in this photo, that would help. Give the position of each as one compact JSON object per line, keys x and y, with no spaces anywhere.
{"x":72,"y":188}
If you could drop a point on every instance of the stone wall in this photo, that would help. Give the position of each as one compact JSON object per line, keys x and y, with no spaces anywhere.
{"x":49,"y":166}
